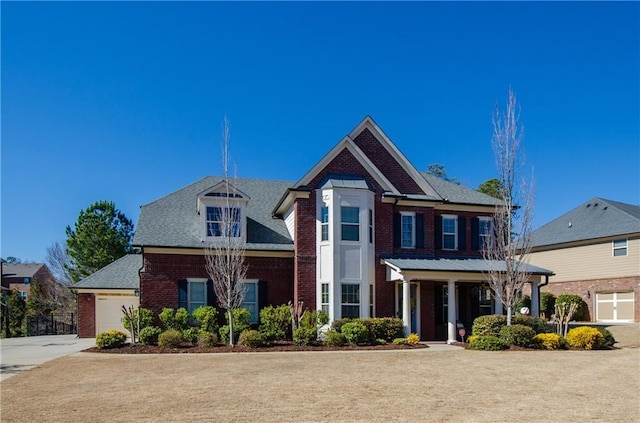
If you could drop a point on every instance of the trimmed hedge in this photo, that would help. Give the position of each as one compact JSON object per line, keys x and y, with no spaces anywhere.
{"x":149,"y":335}
{"x":170,"y":338}
{"x":251,"y":338}
{"x":487,"y":343}
{"x":111,"y":339}
{"x":585,"y":337}
{"x":548,"y":341}
{"x":334,"y":339}
{"x":535,"y":323}
{"x":356,"y":333}
{"x":609,"y":340}
{"x":207,"y":339}
{"x":519,"y":335}
{"x":489,"y":325}
{"x":275,"y":322}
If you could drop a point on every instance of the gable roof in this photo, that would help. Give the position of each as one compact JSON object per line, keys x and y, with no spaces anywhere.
{"x":172,"y":221}
{"x":20,"y":270}
{"x":121,"y":274}
{"x":459,"y":194}
{"x":597,"y":218}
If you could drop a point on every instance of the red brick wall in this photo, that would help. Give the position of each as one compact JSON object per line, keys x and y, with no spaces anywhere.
{"x":86,"y":316}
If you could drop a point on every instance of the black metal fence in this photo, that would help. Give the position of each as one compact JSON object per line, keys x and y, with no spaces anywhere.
{"x":61,"y":324}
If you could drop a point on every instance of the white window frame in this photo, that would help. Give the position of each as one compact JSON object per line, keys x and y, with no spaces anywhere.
{"x":190,"y":282}
{"x":624,"y":247}
{"x":236,"y":226}
{"x":454,"y":233}
{"x":255,"y":304}
{"x":324,"y":224}
{"x":483,"y":237}
{"x":412,"y":219}
{"x":348,"y":304}
{"x":343,"y":224}
{"x":325,"y":295}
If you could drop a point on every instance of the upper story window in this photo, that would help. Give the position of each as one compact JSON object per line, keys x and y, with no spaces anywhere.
{"x":619,"y":247}
{"x":370,"y":226}
{"x":350,"y":221}
{"x":222,"y":209}
{"x":223,"y":221}
{"x":408,"y":238}
{"x":449,"y":232}
{"x":484,"y":231}
{"x":324,"y":223}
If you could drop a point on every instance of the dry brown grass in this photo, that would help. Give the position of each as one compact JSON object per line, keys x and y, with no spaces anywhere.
{"x":414,"y":385}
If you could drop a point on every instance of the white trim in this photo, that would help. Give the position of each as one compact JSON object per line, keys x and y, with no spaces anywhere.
{"x":625,"y":247}
{"x":411,"y":215}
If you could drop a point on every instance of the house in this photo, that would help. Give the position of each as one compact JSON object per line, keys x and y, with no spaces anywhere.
{"x":363,"y":233}
{"x":594,"y":251}
{"x":20,"y":276}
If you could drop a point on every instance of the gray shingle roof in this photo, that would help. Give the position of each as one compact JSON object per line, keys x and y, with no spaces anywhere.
{"x":455,"y":193}
{"x":455,"y":265}
{"x":597,"y":218}
{"x":20,"y":270}
{"x":121,"y":274}
{"x":172,"y":220}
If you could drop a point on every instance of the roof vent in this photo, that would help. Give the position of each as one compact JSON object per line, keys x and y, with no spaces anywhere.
{"x":588,"y":205}
{"x":570,"y":224}
{"x":595,"y":205}
{"x":605,"y":207}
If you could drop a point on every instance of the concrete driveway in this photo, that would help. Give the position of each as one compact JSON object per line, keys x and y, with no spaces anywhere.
{"x":20,"y":354}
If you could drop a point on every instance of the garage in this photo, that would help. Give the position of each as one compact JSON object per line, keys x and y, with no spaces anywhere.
{"x":109,"y":311}
{"x":614,"y":306}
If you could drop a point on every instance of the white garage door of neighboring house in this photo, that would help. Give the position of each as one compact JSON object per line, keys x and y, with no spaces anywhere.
{"x":614,"y":306}
{"x":109,"y":311}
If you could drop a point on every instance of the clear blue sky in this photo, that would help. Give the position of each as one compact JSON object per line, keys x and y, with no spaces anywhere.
{"x":124,"y":101}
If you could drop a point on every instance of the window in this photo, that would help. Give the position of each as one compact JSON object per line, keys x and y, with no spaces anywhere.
{"x":371,"y":297}
{"x":324,"y":223}
{"x":23,"y":294}
{"x":619,"y":247}
{"x":220,"y":217}
{"x":370,"y":226}
{"x":350,"y":219}
{"x":408,"y":230}
{"x":484,"y":231}
{"x":449,"y":232}
{"x":26,"y":281}
{"x":196,"y":294}
{"x":484,"y":299}
{"x":250,"y":302}
{"x":324,"y":300}
{"x":350,"y":300}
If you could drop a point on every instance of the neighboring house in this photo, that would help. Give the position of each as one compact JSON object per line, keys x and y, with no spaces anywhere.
{"x":594,"y":251}
{"x":362,"y":233}
{"x":20,"y":276}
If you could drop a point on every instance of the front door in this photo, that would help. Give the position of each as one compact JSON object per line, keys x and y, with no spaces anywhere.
{"x":413,"y":300}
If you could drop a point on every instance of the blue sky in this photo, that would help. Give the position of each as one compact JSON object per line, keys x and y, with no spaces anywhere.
{"x":124,"y":101}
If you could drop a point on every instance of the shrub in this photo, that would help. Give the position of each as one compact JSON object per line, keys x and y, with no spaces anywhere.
{"x":519,"y":335}
{"x":608,"y":340}
{"x":175,"y":319}
{"x":207,"y":317}
{"x":413,"y":339}
{"x":146,"y":318}
{"x":585,"y":337}
{"x":356,"y":332}
{"x":525,"y":301}
{"x":334,"y":339}
{"x":170,"y":338}
{"x":338,"y":323}
{"x":251,"y":339}
{"x":380,"y":341}
{"x":191,"y":335}
{"x":241,"y":319}
{"x":535,"y":323}
{"x":111,"y":339}
{"x":548,"y":341}
{"x":569,"y":299}
{"x":400,"y":341}
{"x":305,"y":335}
{"x":489,"y":325}
{"x":149,"y":335}
{"x":207,"y":339}
{"x":275,"y":322}
{"x":387,"y":328}
{"x":487,"y":343}
{"x":547,"y":304}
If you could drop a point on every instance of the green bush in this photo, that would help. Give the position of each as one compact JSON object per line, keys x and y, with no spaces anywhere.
{"x":519,"y":335}
{"x":170,"y":338}
{"x":400,"y":341}
{"x":251,"y":339}
{"x":207,"y":317}
{"x":111,"y":339}
{"x":548,"y":341}
{"x":146,"y":318}
{"x":207,"y":339}
{"x":547,"y":304}
{"x":380,"y":341}
{"x":487,"y":343}
{"x":191,"y":335}
{"x":275,"y":322}
{"x":241,"y":318}
{"x":175,"y":319}
{"x":149,"y":335}
{"x":608,"y":340}
{"x":337,"y":324}
{"x":356,"y":333}
{"x":569,"y":299}
{"x":525,"y":301}
{"x":488,"y":325}
{"x":387,"y":328}
{"x":535,"y":323}
{"x":334,"y":339}
{"x":305,"y":335}
{"x":585,"y":337}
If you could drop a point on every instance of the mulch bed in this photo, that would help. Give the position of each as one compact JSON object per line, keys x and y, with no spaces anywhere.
{"x":276,"y":347}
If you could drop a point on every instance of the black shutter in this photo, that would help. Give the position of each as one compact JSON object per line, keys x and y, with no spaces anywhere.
{"x":211,"y":294}
{"x":462,"y":233}
{"x":262,"y":295}
{"x":438,"y":232}
{"x":183,"y":300}
{"x":397,"y":230}
{"x":419,"y":230}
{"x":475,"y":234}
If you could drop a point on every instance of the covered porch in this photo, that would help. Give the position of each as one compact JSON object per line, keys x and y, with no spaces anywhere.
{"x":438,"y":296}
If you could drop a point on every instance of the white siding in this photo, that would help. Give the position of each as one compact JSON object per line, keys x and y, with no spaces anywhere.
{"x":290,"y":222}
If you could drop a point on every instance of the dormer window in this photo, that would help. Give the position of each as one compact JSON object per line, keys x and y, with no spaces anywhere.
{"x":222,"y":209}
{"x":223,"y":220}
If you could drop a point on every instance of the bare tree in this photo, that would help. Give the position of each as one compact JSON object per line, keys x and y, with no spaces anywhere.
{"x":58,"y":262}
{"x":225,"y":253}
{"x":507,"y":254}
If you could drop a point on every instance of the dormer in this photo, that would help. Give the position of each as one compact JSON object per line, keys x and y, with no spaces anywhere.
{"x":223,"y":210}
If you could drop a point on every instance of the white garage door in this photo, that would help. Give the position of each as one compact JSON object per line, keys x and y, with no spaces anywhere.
{"x":109,"y":311}
{"x":614,"y":306}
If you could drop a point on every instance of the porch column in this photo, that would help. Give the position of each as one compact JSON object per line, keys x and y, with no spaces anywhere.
{"x":406,"y":306}
{"x":451,"y":305}
{"x":535,"y":299}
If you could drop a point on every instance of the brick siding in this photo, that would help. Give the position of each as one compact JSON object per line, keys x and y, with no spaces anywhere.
{"x":86,"y":315}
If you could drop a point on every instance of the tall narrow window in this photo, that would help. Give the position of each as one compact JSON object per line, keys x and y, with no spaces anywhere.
{"x":196,"y":294}
{"x":350,"y":300}
{"x":484,"y":232}
{"x":619,"y":247}
{"x":371,"y":298}
{"x":484,"y":298}
{"x":350,"y":219}
{"x":370,"y":226}
{"x":250,"y":302}
{"x":408,"y":230}
{"x":324,"y":223}
{"x":449,"y":232}
{"x":223,"y":220}
{"x":324,"y":300}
